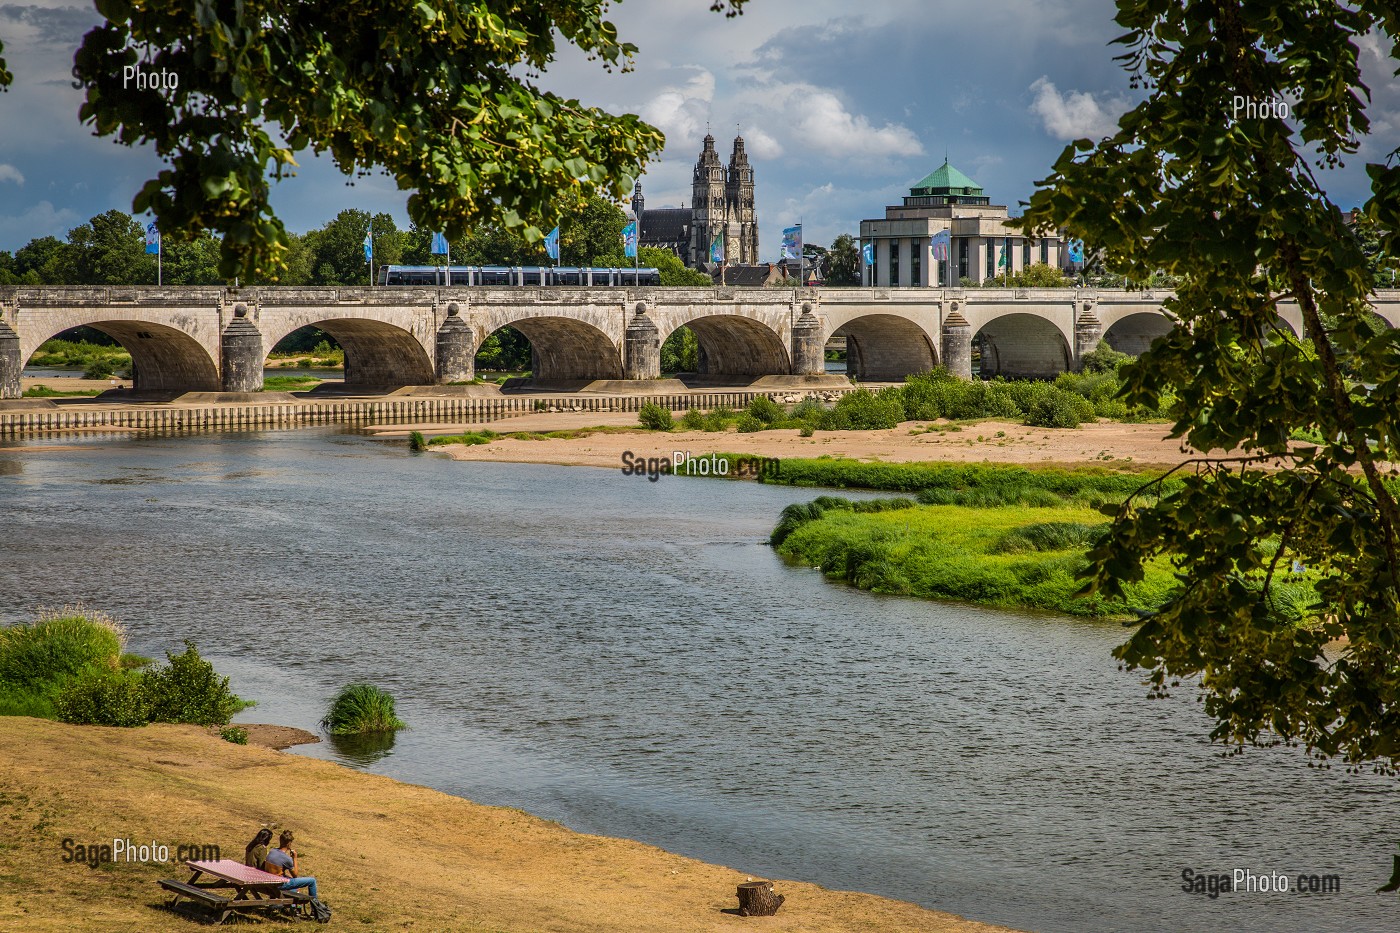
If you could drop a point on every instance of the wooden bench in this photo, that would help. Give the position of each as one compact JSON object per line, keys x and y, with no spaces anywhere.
{"x":194,"y":893}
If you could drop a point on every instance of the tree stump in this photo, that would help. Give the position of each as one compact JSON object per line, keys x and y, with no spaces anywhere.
{"x":756,"y":899}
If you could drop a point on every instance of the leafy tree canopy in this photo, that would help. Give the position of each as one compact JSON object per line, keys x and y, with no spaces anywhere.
{"x":438,"y":95}
{"x":843,"y":261}
{"x":1223,"y":203}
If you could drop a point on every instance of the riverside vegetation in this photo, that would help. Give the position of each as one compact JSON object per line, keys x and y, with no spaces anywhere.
{"x":994,"y":535}
{"x":71,"y":665}
{"x":362,"y":709}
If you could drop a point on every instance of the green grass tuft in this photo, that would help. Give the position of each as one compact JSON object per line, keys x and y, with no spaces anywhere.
{"x":361,"y":708}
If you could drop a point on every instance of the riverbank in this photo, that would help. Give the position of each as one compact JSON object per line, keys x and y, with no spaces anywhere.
{"x":1109,"y":444}
{"x":467,"y":866}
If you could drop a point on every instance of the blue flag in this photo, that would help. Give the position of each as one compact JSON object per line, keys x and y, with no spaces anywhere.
{"x":439,"y":245}
{"x":869,"y":251}
{"x":369,"y":249}
{"x":629,"y":240}
{"x":152,"y":238}
{"x":551,"y":244}
{"x":1076,"y":250}
{"x":792,"y":242}
{"x":717,"y":248}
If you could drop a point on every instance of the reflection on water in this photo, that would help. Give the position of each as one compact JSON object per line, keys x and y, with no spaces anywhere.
{"x":631,"y":658}
{"x":362,"y":749}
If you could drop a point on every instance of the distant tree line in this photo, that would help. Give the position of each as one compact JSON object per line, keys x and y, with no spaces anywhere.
{"x":110,"y":249}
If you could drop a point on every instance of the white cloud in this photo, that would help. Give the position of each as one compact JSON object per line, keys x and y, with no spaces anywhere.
{"x":681,"y":112}
{"x":1077,"y":114}
{"x":40,"y":220}
{"x":761,"y":144}
{"x":10,"y":173}
{"x":824,"y":124}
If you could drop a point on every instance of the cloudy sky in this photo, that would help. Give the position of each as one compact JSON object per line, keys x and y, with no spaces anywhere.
{"x":843,"y":106}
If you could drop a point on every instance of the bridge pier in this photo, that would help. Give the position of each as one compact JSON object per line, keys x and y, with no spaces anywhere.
{"x":11,"y":364}
{"x":1087,"y":334}
{"x":957,"y":345}
{"x":241,"y":354}
{"x":456,"y":354}
{"x":808,"y":350}
{"x":641,"y":347}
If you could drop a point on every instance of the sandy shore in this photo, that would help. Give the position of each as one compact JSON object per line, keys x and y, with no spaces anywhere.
{"x":386,"y":855}
{"x":1105,"y":444}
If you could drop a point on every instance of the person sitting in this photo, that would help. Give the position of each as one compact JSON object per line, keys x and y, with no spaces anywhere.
{"x":255,"y":853}
{"x":283,"y":861}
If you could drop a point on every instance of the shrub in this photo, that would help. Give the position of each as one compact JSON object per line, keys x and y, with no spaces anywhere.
{"x":748,"y":423}
{"x":692,"y":420}
{"x":765,"y":410}
{"x":719,"y":419}
{"x":105,"y":698}
{"x":188,"y":689}
{"x":862,"y":411}
{"x":809,"y":410}
{"x":1059,"y":409}
{"x":806,"y":431}
{"x":416,"y":441}
{"x":655,"y":417}
{"x":100,"y":367}
{"x":58,"y":646}
{"x":1104,"y":359}
{"x":235,"y":734}
{"x":361,"y":708}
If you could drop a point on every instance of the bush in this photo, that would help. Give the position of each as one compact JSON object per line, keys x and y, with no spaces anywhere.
{"x":806,"y":431}
{"x":808,"y":410}
{"x":1059,"y":409}
{"x":416,"y":441}
{"x":749,"y":424}
{"x":361,"y":708}
{"x":1104,"y":359}
{"x":719,"y":419}
{"x":655,"y":417}
{"x":105,"y":698}
{"x":187,"y":689}
{"x":56,"y":647}
{"x":863,"y":411}
{"x":765,"y":410}
{"x":99,"y":368}
{"x":235,"y":734}
{"x":692,"y":420}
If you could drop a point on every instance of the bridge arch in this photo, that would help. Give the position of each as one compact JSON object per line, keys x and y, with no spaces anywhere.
{"x":165,"y":359}
{"x":736,"y":345}
{"x":377,"y":353}
{"x":564,"y":349}
{"x":886,"y":348}
{"x":1133,"y":333}
{"x":1022,"y":345}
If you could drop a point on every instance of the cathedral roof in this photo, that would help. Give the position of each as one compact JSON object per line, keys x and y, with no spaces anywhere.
{"x":665,"y":225}
{"x":946,"y":180}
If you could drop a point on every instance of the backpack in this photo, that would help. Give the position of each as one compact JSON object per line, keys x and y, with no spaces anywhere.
{"x":320,"y":911}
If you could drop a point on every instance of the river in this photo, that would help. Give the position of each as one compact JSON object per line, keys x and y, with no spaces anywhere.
{"x":630,"y":658}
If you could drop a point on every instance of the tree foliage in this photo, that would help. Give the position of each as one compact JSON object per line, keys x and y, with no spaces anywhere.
{"x":843,"y":261}
{"x":1223,"y":203}
{"x":438,"y":95}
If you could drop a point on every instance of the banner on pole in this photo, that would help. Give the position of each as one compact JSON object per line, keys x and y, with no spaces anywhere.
{"x":551,"y":244}
{"x":868,"y":251}
{"x":152,"y":238}
{"x":939,"y":245}
{"x":717,"y":248}
{"x":369,"y":249}
{"x":792,"y":242}
{"x":1076,"y":250}
{"x":439,"y":245}
{"x":629,"y":240}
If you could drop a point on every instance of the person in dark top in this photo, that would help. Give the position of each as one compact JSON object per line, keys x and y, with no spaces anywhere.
{"x":255,"y":853}
{"x":283,"y":861}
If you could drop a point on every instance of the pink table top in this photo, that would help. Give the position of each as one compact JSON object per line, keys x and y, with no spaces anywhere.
{"x":230,"y":870}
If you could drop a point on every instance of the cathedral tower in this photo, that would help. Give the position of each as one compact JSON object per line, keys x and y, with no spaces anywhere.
{"x":738,"y":196}
{"x":707,"y":204}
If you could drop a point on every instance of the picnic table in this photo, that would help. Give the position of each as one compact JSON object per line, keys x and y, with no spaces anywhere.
{"x":251,"y":890}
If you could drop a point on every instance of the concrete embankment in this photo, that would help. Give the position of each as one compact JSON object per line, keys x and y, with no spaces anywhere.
{"x":18,"y":418}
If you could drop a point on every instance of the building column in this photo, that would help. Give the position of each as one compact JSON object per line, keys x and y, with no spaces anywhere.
{"x":808,"y":349}
{"x":456,"y":352}
{"x":10,"y":363}
{"x":957,"y":344}
{"x":641,"y":347}
{"x":1087,"y":334}
{"x":241,"y":354}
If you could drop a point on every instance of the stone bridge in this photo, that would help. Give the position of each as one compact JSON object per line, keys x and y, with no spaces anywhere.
{"x":185,"y":339}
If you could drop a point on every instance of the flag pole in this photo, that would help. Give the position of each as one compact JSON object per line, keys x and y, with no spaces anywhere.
{"x":160,"y":248}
